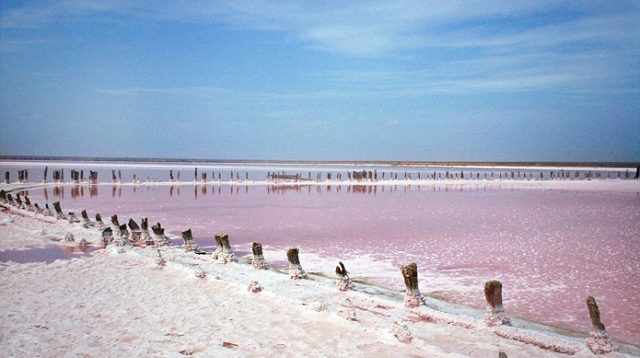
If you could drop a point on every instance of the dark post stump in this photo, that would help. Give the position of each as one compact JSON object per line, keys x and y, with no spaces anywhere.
{"x":160,"y":239}
{"x":598,"y":341}
{"x":258,"y":258}
{"x":344,"y":281}
{"x":295,"y":269}
{"x":412,"y":297}
{"x":189,"y":244}
{"x":494,"y":314}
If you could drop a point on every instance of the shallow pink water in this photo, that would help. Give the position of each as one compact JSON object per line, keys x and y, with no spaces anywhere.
{"x":549,"y":248}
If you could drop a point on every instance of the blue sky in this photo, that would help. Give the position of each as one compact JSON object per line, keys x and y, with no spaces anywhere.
{"x":331,"y":80}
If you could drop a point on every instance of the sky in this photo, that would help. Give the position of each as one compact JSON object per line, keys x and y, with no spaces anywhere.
{"x":501,"y":80}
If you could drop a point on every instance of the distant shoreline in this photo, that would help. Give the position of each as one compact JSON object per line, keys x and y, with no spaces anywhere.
{"x":324,"y":162}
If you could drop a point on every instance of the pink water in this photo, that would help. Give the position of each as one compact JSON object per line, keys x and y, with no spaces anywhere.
{"x":549,"y":248}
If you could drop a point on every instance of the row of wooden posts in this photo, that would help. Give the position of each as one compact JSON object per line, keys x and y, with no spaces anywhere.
{"x":358,"y":176}
{"x":495,"y":315}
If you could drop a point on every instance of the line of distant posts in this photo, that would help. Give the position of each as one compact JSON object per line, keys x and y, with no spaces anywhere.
{"x":364,"y":176}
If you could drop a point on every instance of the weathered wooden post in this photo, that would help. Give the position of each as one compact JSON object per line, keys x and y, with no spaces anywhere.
{"x":93,"y":177}
{"x":107,"y":236}
{"x":46,"y":169}
{"x":27,"y":203}
{"x":59,"y":214}
{"x":73,"y":218}
{"x":204,"y":177}
{"x":136,"y":234}
{"x":10,"y":200}
{"x":47,"y":210}
{"x":99,"y":222}
{"x":195,"y":175}
{"x":171,"y":175}
{"x":258,"y":258}
{"x":6,"y":178}
{"x":116,"y":225}
{"x":3,"y":196}
{"x":160,"y":239}
{"x":18,"y":201}
{"x":224,"y":253}
{"x":494,"y":314}
{"x":86,"y":222}
{"x":189,"y":243}
{"x":598,"y":341}
{"x":123,"y":238}
{"x":344,"y":281}
{"x":119,"y":176}
{"x":412,"y":297}
{"x":144,"y":228}
{"x":37,"y":209}
{"x":295,"y":269}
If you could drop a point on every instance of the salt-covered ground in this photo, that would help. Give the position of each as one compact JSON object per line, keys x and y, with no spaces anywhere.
{"x":124,"y":304}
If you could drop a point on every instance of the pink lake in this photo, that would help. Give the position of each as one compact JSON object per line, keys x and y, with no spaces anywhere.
{"x":550,"y":248}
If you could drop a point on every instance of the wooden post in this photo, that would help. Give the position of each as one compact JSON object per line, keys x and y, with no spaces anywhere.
{"x":59,"y":214}
{"x":136,"y":234}
{"x":18,"y":201}
{"x":224,"y":253}
{"x":171,"y":175}
{"x":598,"y":341}
{"x":99,"y":222}
{"x":46,"y":169}
{"x":195,"y":175}
{"x":107,"y":236}
{"x":295,"y":269}
{"x":258,"y":258}
{"x":10,"y":200}
{"x":189,"y":244}
{"x":93,"y":177}
{"x":73,"y":218}
{"x":37,"y":209}
{"x":123,"y":238}
{"x":412,"y":297}
{"x":344,"y":281}
{"x":494,"y":314}
{"x":144,"y":228}
{"x":3,"y":196}
{"x":6,"y":178}
{"x":116,"y":225}
{"x":160,"y":239}
{"x":86,"y":222}
{"x":47,"y":210}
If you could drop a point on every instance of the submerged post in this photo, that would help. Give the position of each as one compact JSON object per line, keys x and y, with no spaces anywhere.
{"x":494,"y":314}
{"x":189,"y":244}
{"x":258,"y":258}
{"x":598,"y":341}
{"x":412,"y":297}
{"x":344,"y":281}
{"x":295,"y":269}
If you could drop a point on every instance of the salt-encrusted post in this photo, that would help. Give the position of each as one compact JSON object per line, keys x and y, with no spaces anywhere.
{"x":344,"y":281}
{"x":144,"y":228}
{"x":116,"y":224}
{"x":160,"y":239}
{"x":37,"y":209}
{"x":225,"y":255}
{"x":189,"y":244}
{"x":107,"y":236}
{"x":99,"y":222}
{"x":295,"y":269}
{"x":3,"y":196}
{"x":86,"y":222}
{"x":27,"y":203}
{"x":122,"y":238}
{"x":18,"y":201}
{"x":73,"y":218}
{"x":59,"y":213}
{"x":494,"y":314}
{"x":136,"y":234}
{"x":598,"y":341}
{"x":47,"y":210}
{"x":258,"y":258}
{"x":10,"y":200}
{"x":412,"y":297}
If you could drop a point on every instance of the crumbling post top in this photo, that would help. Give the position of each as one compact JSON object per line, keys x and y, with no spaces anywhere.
{"x":256,"y":248}
{"x":133,"y":225}
{"x":292,"y":256}
{"x":594,"y":313}
{"x":410,"y":274}
{"x":84,"y":214}
{"x":493,"y":293}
